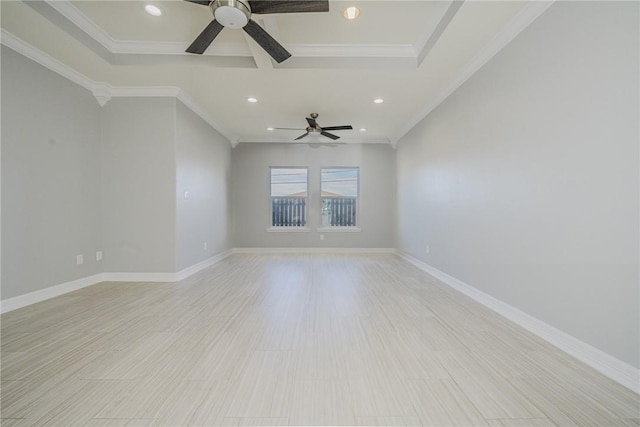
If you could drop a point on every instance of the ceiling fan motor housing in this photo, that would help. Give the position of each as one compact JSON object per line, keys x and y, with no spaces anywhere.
{"x":231,"y":13}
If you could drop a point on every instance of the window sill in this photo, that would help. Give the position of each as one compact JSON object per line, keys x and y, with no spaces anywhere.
{"x":339,"y":230}
{"x":288,"y":229}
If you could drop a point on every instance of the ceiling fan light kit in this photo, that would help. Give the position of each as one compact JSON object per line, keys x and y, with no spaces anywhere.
{"x":237,"y":14}
{"x":231,"y":13}
{"x":315,"y":130}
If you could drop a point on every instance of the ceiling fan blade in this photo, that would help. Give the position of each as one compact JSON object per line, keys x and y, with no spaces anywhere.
{"x":348,"y":127}
{"x":329,"y":135}
{"x":312,"y":122}
{"x":267,"y":42}
{"x":202,"y":42}
{"x":202,"y":2}
{"x":288,"y":6}
{"x":301,"y":136}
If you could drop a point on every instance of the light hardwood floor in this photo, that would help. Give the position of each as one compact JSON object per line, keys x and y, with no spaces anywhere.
{"x":291,"y":340}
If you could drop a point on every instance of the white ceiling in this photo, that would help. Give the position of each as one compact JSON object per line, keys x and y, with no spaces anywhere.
{"x":411,"y":53}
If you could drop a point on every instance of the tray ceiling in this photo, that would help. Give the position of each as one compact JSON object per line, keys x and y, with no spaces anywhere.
{"x":411,"y":53}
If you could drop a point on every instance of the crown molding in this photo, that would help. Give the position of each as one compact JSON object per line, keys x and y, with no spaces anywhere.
{"x":36,"y":55}
{"x":282,"y":139}
{"x":521,"y":21}
{"x":82,"y":21}
{"x":176,"y":48}
{"x":103,"y":92}
{"x":200,"y":111}
{"x":352,"y":50}
{"x":127,"y":47}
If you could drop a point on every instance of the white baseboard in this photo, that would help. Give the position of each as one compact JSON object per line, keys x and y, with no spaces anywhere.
{"x":602,"y":362}
{"x":608,"y":365}
{"x":139,"y":277}
{"x":20,"y":301}
{"x":183,"y":274}
{"x":166,"y":277}
{"x":314,"y":251}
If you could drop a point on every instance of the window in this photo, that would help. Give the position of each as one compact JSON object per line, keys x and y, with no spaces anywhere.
{"x":289,"y":197}
{"x":339,"y":188}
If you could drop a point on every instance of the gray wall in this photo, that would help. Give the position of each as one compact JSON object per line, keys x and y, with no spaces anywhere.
{"x":251,"y":203}
{"x":51,"y":209}
{"x":203,"y":160}
{"x":524,"y":183}
{"x":138,"y":185}
{"x":78,"y":178}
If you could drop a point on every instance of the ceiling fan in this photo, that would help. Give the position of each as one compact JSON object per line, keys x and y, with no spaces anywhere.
{"x":237,"y":14}
{"x":315,"y":129}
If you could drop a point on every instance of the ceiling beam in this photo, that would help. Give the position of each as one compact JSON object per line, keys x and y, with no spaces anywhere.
{"x":442,"y":25}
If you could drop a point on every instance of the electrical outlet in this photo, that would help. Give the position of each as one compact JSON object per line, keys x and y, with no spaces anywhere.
{"x":427,"y":249}
{"x":205,"y":246}
{"x":99,"y":256}
{"x":79,"y":259}
{"x":322,"y":237}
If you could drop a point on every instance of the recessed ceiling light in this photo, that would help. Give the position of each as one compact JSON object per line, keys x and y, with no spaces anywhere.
{"x":351,"y":13}
{"x":363,"y":129}
{"x":378,"y":101}
{"x":269,"y":128}
{"x":252,"y":99}
{"x":153,"y":10}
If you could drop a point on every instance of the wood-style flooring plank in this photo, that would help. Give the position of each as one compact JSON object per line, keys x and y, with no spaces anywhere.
{"x":291,"y":340}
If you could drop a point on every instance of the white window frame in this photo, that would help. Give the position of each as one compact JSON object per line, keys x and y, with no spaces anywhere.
{"x":342,"y":229}
{"x":289,"y":228}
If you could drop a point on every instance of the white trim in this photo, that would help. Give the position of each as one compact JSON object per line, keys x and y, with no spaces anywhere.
{"x":129,"y":47}
{"x":82,"y":21}
{"x":602,"y":362}
{"x":200,"y":111}
{"x":285,"y":137}
{"x":440,"y":28}
{"x":145,"y":91}
{"x":339,"y":230}
{"x":87,"y":25}
{"x":139,"y":277}
{"x":314,"y":251}
{"x":27,"y":50}
{"x":521,"y":21}
{"x":20,"y":301}
{"x":288,"y":229}
{"x":195,"y":268}
{"x":167,"y":277}
{"x":103,"y":92}
{"x":352,"y":50}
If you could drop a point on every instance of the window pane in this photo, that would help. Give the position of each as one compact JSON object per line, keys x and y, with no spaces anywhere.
{"x":288,"y":197}
{"x":340,"y":182}
{"x":288,"y":182}
{"x":339,"y":187}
